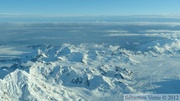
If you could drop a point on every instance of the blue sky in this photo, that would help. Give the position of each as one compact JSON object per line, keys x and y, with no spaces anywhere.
{"x":91,"y":7}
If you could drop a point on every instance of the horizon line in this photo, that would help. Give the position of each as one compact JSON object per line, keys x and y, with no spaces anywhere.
{"x":61,"y":15}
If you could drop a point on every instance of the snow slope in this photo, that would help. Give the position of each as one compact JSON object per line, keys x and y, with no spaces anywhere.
{"x":148,"y":63}
{"x":67,"y":73}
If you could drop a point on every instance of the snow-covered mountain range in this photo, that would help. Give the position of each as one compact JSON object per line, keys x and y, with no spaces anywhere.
{"x":148,"y":63}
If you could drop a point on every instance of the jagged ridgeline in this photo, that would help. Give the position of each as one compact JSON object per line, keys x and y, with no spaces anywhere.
{"x":59,"y":72}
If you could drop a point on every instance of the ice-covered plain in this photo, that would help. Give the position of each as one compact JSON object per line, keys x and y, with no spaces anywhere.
{"x":88,"y":60}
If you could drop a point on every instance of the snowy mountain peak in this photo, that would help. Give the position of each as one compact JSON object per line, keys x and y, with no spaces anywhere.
{"x":47,"y":69}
